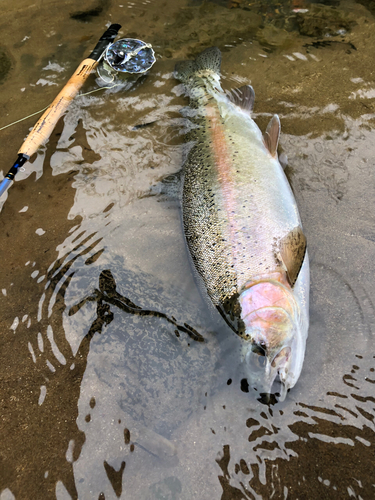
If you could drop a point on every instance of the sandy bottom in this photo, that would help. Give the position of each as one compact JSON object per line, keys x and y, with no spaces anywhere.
{"x":105,"y":392}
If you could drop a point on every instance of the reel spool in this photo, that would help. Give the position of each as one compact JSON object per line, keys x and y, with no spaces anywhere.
{"x":125,"y":61}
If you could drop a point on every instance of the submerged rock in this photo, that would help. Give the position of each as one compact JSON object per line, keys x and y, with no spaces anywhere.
{"x":322,"y":20}
{"x":198,"y":27}
{"x":273,"y":37}
{"x":5,"y":65}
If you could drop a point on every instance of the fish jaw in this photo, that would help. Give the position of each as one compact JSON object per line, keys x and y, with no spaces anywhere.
{"x":274,"y":345}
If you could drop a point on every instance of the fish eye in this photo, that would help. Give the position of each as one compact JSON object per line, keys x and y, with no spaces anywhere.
{"x":258,"y":349}
{"x":259,"y":361}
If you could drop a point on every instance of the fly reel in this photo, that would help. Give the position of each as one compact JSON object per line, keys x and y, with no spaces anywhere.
{"x":125,"y":61}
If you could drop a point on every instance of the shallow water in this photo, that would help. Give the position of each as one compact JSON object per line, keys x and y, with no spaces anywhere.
{"x":107,"y":390}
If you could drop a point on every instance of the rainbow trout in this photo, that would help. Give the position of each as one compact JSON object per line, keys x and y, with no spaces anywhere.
{"x":242,"y":226}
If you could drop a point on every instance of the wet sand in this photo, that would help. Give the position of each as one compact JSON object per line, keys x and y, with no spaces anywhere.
{"x":100,"y":401}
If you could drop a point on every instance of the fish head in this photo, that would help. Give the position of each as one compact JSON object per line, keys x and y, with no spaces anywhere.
{"x":273,"y":342}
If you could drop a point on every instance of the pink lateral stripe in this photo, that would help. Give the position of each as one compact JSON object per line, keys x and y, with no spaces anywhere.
{"x":223,"y":166}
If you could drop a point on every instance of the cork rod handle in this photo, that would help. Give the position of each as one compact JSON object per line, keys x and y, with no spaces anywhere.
{"x":46,"y":123}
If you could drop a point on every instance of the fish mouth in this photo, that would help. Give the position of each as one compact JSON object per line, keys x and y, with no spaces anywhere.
{"x":264,"y":368}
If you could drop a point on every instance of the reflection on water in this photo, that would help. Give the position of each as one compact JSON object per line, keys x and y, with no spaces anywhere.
{"x":118,"y":381}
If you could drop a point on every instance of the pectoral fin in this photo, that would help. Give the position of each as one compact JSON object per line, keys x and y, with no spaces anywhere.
{"x":243,"y":97}
{"x":292,"y":251}
{"x":271,"y":135}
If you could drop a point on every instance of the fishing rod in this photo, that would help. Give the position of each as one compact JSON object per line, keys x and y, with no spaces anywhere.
{"x":125,"y":57}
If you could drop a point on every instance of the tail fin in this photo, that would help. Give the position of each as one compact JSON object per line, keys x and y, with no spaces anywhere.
{"x":208,"y":61}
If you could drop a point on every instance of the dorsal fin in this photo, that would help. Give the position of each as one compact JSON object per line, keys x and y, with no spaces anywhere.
{"x":243,"y":97}
{"x":292,"y":252}
{"x":271,"y":135}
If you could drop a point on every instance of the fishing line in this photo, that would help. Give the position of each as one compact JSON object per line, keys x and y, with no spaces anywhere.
{"x":41,"y":110}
